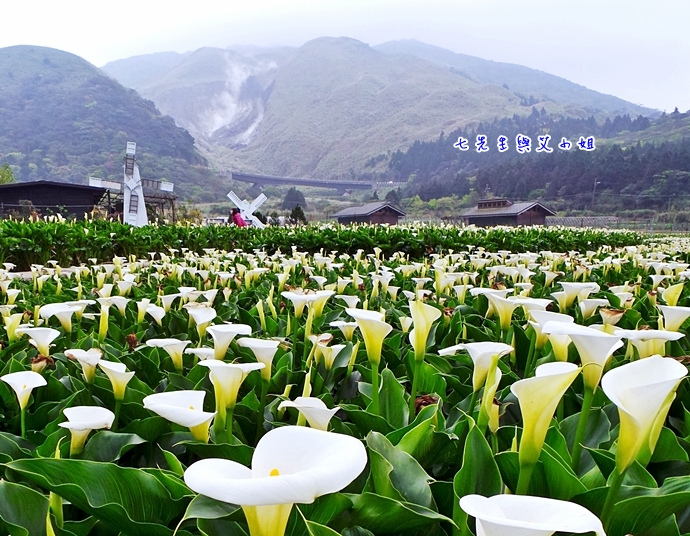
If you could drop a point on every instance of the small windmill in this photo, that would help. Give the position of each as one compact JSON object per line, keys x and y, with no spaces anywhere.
{"x":247,"y":209}
{"x":134,"y":204}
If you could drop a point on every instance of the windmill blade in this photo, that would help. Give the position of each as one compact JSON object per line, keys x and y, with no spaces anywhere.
{"x":256,"y":222}
{"x":239,"y":203}
{"x":257,"y":202}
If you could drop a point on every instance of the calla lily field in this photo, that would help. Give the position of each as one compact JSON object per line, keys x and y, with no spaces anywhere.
{"x":354,"y":381}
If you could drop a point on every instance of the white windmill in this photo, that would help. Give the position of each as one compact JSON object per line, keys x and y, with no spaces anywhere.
{"x":134,"y":209}
{"x":247,"y":209}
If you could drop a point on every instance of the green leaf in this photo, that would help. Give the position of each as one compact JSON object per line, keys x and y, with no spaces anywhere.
{"x":173,"y":463}
{"x":403,"y":472}
{"x":203,"y":507}
{"x":479,"y":474}
{"x":426,"y":443}
{"x":22,"y":510}
{"x":316,"y":529}
{"x":110,"y":446}
{"x":141,"y":503}
{"x":393,"y":407}
{"x":668,"y":448}
{"x":382,"y":515}
{"x":366,"y":422}
{"x":13,"y":447}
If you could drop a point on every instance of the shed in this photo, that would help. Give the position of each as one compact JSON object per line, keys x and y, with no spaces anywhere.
{"x":378,"y":212}
{"x":71,"y":200}
{"x":498,"y":211}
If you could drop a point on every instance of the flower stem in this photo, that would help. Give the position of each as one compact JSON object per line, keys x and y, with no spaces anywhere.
{"x":118,"y":405}
{"x":526,"y":471}
{"x":415,"y":384}
{"x":262,"y":407}
{"x":22,"y":420}
{"x":582,"y":427}
{"x":473,"y":402}
{"x":375,"y":388}
{"x":615,"y":486}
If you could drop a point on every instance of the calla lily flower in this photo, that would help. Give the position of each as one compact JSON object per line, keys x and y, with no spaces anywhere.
{"x":519,"y":515}
{"x":23,"y":382}
{"x":590,"y":305}
{"x":314,"y":410}
{"x":81,"y":420}
{"x":156,"y":312}
{"x":88,"y":359}
{"x":40,"y":338}
{"x":503,"y":307}
{"x":649,"y":341}
{"x":223,"y":335}
{"x":423,"y":317}
{"x":373,"y":329}
{"x":291,"y":464}
{"x":118,"y":375}
{"x":184,"y":408}
{"x":674,"y":316}
{"x":671,"y":295}
{"x":202,"y":317}
{"x":347,"y":328}
{"x":538,"y":397}
{"x":227,"y":379}
{"x":299,"y":299}
{"x":594,"y":347}
{"x":643,"y":392}
{"x":174,"y":348}
{"x":559,"y":343}
{"x":483,"y":355}
{"x":329,"y":353}
{"x":12,"y":323}
{"x":62,"y":311}
{"x":264,"y":350}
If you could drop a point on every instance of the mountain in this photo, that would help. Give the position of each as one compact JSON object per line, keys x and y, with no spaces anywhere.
{"x":331,"y":106}
{"x":519,"y":79}
{"x":213,"y":93}
{"x":61,"y":118}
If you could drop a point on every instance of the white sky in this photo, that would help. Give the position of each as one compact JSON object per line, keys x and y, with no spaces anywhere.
{"x":638,"y":50}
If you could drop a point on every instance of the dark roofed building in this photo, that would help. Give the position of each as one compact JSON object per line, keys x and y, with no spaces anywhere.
{"x":489,"y":212}
{"x":71,"y":200}
{"x":378,"y":212}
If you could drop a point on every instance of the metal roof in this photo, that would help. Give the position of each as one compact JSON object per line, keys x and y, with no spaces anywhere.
{"x":509,"y":210}
{"x":366,"y":210}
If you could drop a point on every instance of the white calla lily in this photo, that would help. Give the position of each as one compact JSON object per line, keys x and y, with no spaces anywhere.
{"x":23,"y":382}
{"x":88,"y":359}
{"x":185,"y":408}
{"x":518,"y":515}
{"x":264,"y":350}
{"x":40,"y":338}
{"x":81,"y":420}
{"x":538,"y":398}
{"x":483,"y":355}
{"x":202,"y":317}
{"x":173,"y":347}
{"x":291,"y":464}
{"x":674,"y":316}
{"x":649,"y":341}
{"x":314,"y":410}
{"x":643,"y":391}
{"x":223,"y":335}
{"x":118,"y":376}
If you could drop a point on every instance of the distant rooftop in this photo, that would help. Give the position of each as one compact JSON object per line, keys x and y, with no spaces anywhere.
{"x":502,"y":207}
{"x":366,"y":210}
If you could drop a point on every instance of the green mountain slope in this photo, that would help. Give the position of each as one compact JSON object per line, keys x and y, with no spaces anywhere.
{"x":522,"y":80}
{"x":338,"y":102}
{"x":330,"y":106}
{"x":61,"y":118}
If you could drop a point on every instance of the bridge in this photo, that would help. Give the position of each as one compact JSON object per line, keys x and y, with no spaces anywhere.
{"x":339,"y":185}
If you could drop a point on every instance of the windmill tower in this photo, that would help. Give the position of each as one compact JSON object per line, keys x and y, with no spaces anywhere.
{"x":134,"y":207}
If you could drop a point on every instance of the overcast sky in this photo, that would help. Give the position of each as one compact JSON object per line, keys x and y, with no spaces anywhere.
{"x":638,"y":50}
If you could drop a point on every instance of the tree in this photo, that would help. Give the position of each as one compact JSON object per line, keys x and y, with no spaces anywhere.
{"x":297,"y":215}
{"x":6,"y":175}
{"x":293,"y":198}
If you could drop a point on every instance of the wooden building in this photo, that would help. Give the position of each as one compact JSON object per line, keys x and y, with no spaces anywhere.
{"x":378,"y":212}
{"x":498,"y":211}
{"x":49,"y":197}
